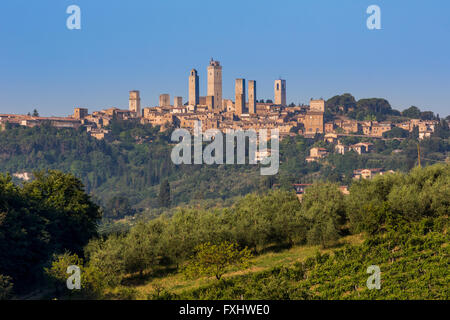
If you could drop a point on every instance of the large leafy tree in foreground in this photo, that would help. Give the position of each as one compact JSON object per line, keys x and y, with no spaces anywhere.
{"x":48,"y":215}
{"x":73,"y":217}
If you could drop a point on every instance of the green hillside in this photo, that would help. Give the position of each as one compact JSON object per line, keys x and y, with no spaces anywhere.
{"x":308,"y":250}
{"x":129,"y":168}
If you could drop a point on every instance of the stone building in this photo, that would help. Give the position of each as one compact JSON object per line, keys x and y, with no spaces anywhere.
{"x":164,"y":100}
{"x":194,"y":88}
{"x":157,"y":118}
{"x":228,"y":105}
{"x":280,"y":92}
{"x":366,"y":173}
{"x":329,"y":127}
{"x":362,"y":147}
{"x":379,"y":128}
{"x":210,"y":103}
{"x":215,"y":83}
{"x":340,"y":148}
{"x":349,"y":126}
{"x":313,"y":122}
{"x":240,"y":97}
{"x":178,"y":102}
{"x":80,"y":113}
{"x":316,"y":154}
{"x":317,"y":105}
{"x":134,"y":102}
{"x":251,"y":96}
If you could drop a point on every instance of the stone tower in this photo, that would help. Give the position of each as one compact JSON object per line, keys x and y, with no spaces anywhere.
{"x":251,"y":96}
{"x":135,"y":102}
{"x":80,"y":113}
{"x":193,"y":88}
{"x":215,"y":83}
{"x":280,"y":92}
{"x":178,"y":102}
{"x":240,"y":97}
{"x":210,"y":103}
{"x":164,"y":100}
{"x":317,"y":105}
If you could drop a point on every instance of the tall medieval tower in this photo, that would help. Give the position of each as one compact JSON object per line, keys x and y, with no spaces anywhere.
{"x":193,"y":88}
{"x":215,"y":83}
{"x":135,"y":103}
{"x":240,"y":97}
{"x":251,"y":96}
{"x":280,"y":92}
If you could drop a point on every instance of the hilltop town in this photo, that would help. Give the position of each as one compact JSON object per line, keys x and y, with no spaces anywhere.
{"x":215,"y":112}
{"x":328,"y":119}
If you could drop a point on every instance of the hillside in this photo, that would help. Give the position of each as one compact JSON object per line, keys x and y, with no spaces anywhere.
{"x":129,"y":168}
{"x":268,"y":245}
{"x":308,"y":250}
{"x":177,"y":285}
{"x":414,"y":264}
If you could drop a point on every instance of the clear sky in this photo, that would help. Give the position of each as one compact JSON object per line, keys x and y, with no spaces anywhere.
{"x":322,"y":48}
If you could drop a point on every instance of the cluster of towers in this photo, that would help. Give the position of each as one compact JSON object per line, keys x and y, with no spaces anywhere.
{"x":214,"y":89}
{"x":214,"y":99}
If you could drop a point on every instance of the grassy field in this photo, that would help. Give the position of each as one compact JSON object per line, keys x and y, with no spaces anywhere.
{"x":177,"y":282}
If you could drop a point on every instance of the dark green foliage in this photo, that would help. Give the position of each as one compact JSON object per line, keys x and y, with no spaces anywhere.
{"x":164,"y":194}
{"x":413,"y":262}
{"x":256,"y":221}
{"x":412,"y":112}
{"x":346,"y":101}
{"x":406,"y":217}
{"x":142,"y":246}
{"x":323,"y":211}
{"x":92,"y":280}
{"x":118,"y":207}
{"x":125,"y":172}
{"x":364,"y":109}
{"x":131,"y":164}
{"x":396,"y":132}
{"x":369,"y":108}
{"x":48,"y":215}
{"x":64,"y":202}
{"x":442,"y":130}
{"x":374,"y":205}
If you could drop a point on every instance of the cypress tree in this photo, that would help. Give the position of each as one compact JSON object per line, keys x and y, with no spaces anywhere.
{"x":164,"y":194}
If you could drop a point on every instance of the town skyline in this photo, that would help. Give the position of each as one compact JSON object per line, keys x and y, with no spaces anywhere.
{"x":322,"y":50}
{"x":367,"y":117}
{"x":204,"y":92}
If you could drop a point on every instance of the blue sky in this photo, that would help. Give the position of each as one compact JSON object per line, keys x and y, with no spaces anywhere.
{"x":322,"y":48}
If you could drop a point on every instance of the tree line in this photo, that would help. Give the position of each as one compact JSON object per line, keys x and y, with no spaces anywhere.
{"x":262,"y":222}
